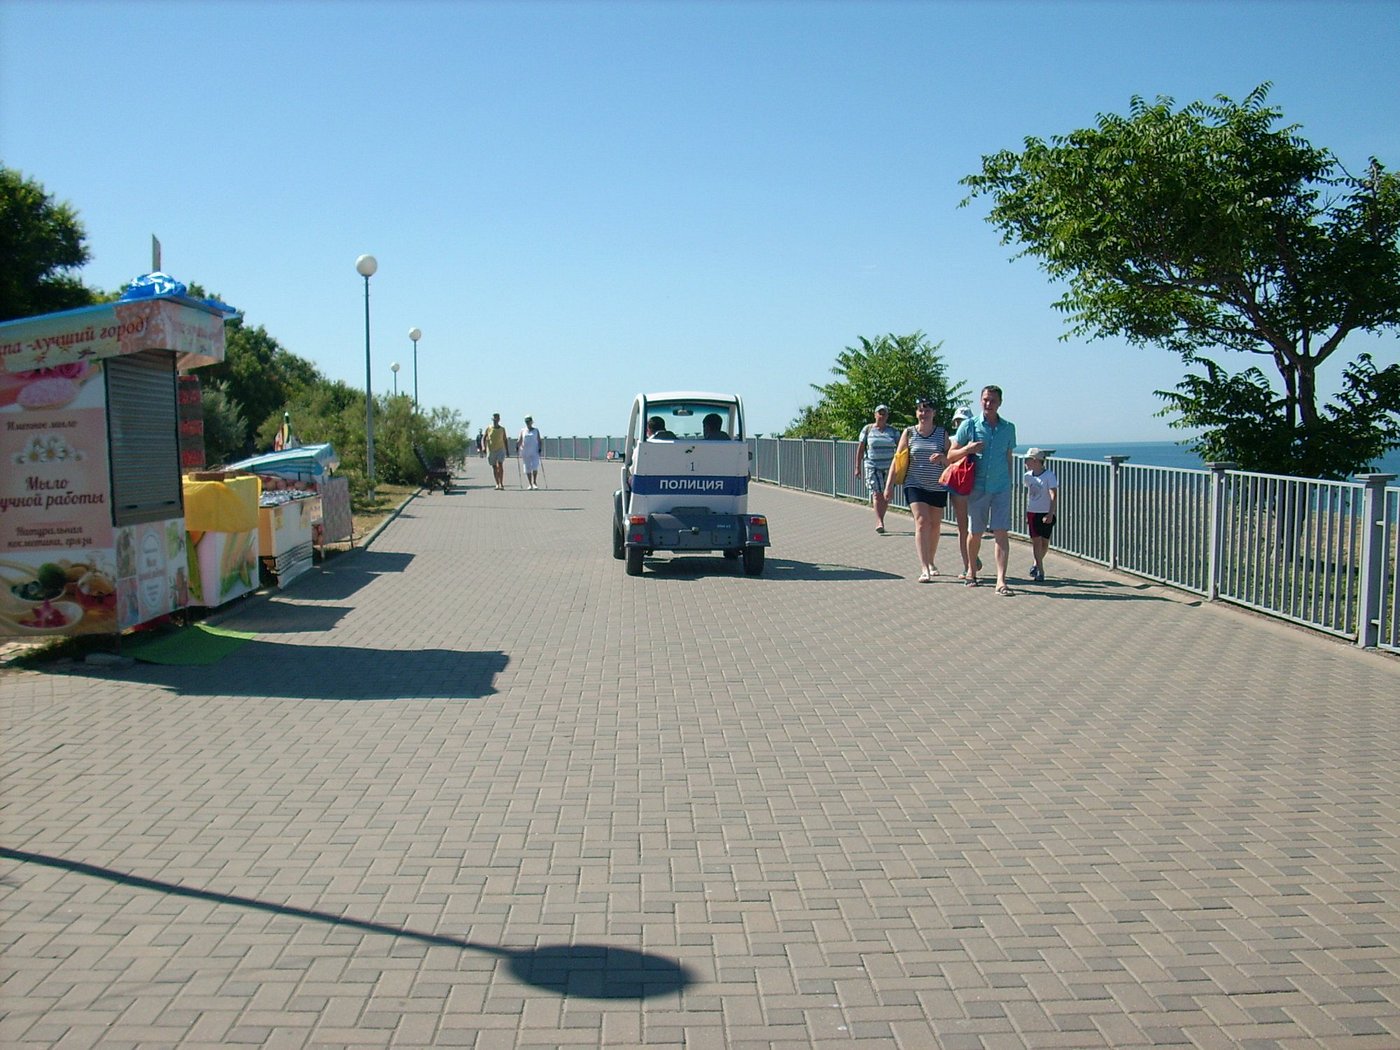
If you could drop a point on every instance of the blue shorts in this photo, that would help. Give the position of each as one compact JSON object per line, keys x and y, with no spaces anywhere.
{"x":989,"y":510}
{"x":933,"y":497}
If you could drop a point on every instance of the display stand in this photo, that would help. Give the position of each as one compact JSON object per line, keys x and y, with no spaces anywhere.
{"x":285,"y":533}
{"x":221,"y":519}
{"x":92,"y":534}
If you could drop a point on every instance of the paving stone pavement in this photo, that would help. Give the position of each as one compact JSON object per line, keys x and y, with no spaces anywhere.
{"x":474,"y":786}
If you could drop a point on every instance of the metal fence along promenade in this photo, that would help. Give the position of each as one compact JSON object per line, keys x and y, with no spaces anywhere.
{"x":1324,"y":554}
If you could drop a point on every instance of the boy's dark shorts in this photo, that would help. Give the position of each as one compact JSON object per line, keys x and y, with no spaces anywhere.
{"x":1036,"y":525}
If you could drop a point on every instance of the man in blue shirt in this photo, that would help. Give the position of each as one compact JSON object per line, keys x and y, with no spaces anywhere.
{"x":992,"y":440}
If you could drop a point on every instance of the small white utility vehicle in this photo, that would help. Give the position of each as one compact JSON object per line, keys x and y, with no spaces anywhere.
{"x":685,"y":481}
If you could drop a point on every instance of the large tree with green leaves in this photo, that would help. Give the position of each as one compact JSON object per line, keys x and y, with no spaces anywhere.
{"x":260,"y":375}
{"x":894,"y":370}
{"x":1210,"y":228}
{"x":41,"y":244}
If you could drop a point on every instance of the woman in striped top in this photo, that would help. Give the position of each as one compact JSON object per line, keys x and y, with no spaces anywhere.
{"x":928,"y":455}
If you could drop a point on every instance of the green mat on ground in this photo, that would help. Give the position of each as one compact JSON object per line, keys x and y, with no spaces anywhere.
{"x":199,"y":644}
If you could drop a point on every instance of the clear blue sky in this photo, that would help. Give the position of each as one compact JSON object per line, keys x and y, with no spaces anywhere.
{"x":575,"y":201}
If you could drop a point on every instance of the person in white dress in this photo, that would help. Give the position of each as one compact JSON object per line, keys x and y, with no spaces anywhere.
{"x":531,"y":448}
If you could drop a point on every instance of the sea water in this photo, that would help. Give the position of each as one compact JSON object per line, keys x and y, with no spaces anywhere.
{"x":1168,"y":454}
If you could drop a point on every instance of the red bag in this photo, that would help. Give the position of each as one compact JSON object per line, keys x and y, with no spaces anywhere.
{"x":960,"y":476}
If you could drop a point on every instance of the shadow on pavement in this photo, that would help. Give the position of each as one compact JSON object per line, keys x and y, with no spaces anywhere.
{"x":347,"y":573}
{"x":694,"y":566}
{"x":589,"y":971}
{"x":309,"y":672}
{"x":283,"y":617}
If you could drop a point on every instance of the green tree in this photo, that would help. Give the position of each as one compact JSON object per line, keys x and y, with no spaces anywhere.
{"x":41,"y":243}
{"x":332,"y":411}
{"x":261,"y":376}
{"x":1209,"y":229}
{"x":894,"y":370}
{"x":225,"y":430}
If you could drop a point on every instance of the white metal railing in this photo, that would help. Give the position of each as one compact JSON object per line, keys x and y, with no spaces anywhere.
{"x":1325,"y":554}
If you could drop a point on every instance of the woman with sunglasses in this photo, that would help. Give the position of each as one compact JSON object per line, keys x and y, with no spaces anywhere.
{"x":927,"y":497}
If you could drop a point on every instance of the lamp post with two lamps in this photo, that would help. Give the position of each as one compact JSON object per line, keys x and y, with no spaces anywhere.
{"x":365,"y":266}
{"x":415,"y":334}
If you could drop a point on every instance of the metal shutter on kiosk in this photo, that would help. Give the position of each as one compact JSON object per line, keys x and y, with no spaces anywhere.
{"x":143,"y":434}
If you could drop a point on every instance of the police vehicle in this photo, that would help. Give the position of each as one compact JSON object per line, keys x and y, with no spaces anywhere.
{"x":685,"y":482}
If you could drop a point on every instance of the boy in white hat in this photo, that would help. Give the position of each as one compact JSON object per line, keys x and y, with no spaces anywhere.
{"x":1042,"y":501}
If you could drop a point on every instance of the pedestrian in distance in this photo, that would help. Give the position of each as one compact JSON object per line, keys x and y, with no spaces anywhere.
{"x":926,"y":495}
{"x":1042,"y":506}
{"x":875,"y":448}
{"x":530,"y":449}
{"x":497,"y":447}
{"x":992,"y":440}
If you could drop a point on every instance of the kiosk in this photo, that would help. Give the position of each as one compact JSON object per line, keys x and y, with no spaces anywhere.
{"x":92,"y":530}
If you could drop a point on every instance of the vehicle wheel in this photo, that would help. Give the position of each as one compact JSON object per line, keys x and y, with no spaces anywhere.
{"x":619,"y":548}
{"x":732,"y":553}
{"x":753,"y":561}
{"x":634,"y":561}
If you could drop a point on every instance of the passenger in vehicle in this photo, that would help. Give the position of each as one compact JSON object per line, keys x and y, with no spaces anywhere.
{"x":656,"y":430}
{"x":714,"y":428}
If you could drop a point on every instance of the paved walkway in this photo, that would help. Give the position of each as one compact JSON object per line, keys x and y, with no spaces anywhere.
{"x":474,"y":786}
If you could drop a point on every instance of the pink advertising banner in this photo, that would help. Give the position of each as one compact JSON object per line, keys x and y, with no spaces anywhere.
{"x":195,"y":333}
{"x":57,"y":563}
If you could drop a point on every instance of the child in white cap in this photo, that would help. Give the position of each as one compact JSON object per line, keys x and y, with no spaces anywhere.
{"x":1042,"y":501}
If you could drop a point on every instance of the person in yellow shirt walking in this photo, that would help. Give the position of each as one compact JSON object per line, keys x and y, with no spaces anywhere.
{"x":496,"y":449}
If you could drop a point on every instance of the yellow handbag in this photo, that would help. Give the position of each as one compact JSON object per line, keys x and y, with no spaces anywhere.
{"x":900,"y":466}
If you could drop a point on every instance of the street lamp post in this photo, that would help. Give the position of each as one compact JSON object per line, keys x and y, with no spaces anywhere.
{"x":395,"y":369}
{"x":365,"y":266}
{"x":415,"y":334}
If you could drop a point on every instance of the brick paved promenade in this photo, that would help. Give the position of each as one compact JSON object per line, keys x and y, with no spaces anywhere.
{"x":473,"y":786}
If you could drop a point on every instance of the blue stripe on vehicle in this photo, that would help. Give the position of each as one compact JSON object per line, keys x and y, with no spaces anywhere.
{"x":688,"y":485}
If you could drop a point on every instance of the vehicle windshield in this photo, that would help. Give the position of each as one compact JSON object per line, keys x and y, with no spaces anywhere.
{"x":687,"y":419}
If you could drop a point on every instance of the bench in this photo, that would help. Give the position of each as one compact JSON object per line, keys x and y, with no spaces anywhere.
{"x":435,"y":472}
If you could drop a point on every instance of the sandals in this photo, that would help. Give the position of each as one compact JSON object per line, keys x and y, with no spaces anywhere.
{"x":972,"y":581}
{"x":880,"y":529}
{"x":1005,"y":591}
{"x":924,"y":577}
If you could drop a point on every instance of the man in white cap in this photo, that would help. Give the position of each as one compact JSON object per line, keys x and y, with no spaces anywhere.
{"x":875,"y":447}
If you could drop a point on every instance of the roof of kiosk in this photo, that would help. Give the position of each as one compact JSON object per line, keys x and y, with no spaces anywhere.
{"x":153,"y":314}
